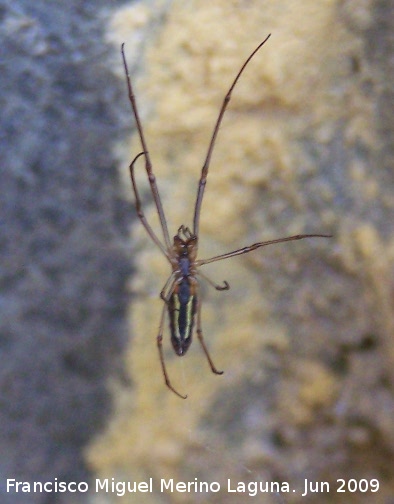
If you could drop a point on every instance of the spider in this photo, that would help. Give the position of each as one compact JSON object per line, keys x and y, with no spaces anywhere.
{"x":181,"y":291}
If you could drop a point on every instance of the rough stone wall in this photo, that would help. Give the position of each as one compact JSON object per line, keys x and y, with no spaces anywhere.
{"x":63,"y":239}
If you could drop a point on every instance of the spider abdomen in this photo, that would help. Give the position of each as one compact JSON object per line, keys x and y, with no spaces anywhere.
{"x":182,"y":307}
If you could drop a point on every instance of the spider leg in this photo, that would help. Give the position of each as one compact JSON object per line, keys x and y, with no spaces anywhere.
{"x":255,"y":246}
{"x":202,"y":342}
{"x":161,"y":355}
{"x":204,"y":171}
{"x":140,"y":213}
{"x":148,"y":164}
{"x":223,"y":287}
{"x":165,"y":296}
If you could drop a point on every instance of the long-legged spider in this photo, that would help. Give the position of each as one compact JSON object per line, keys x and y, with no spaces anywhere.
{"x":180,"y":292}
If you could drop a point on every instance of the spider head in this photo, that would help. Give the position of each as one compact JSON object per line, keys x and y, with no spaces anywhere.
{"x":185,"y":243}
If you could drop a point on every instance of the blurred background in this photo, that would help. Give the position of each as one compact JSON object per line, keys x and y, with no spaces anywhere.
{"x":305,"y":334}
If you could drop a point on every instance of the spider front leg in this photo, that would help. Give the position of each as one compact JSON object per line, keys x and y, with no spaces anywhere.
{"x":207,"y":162}
{"x":202,"y":342}
{"x":161,"y":354}
{"x":148,"y":169}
